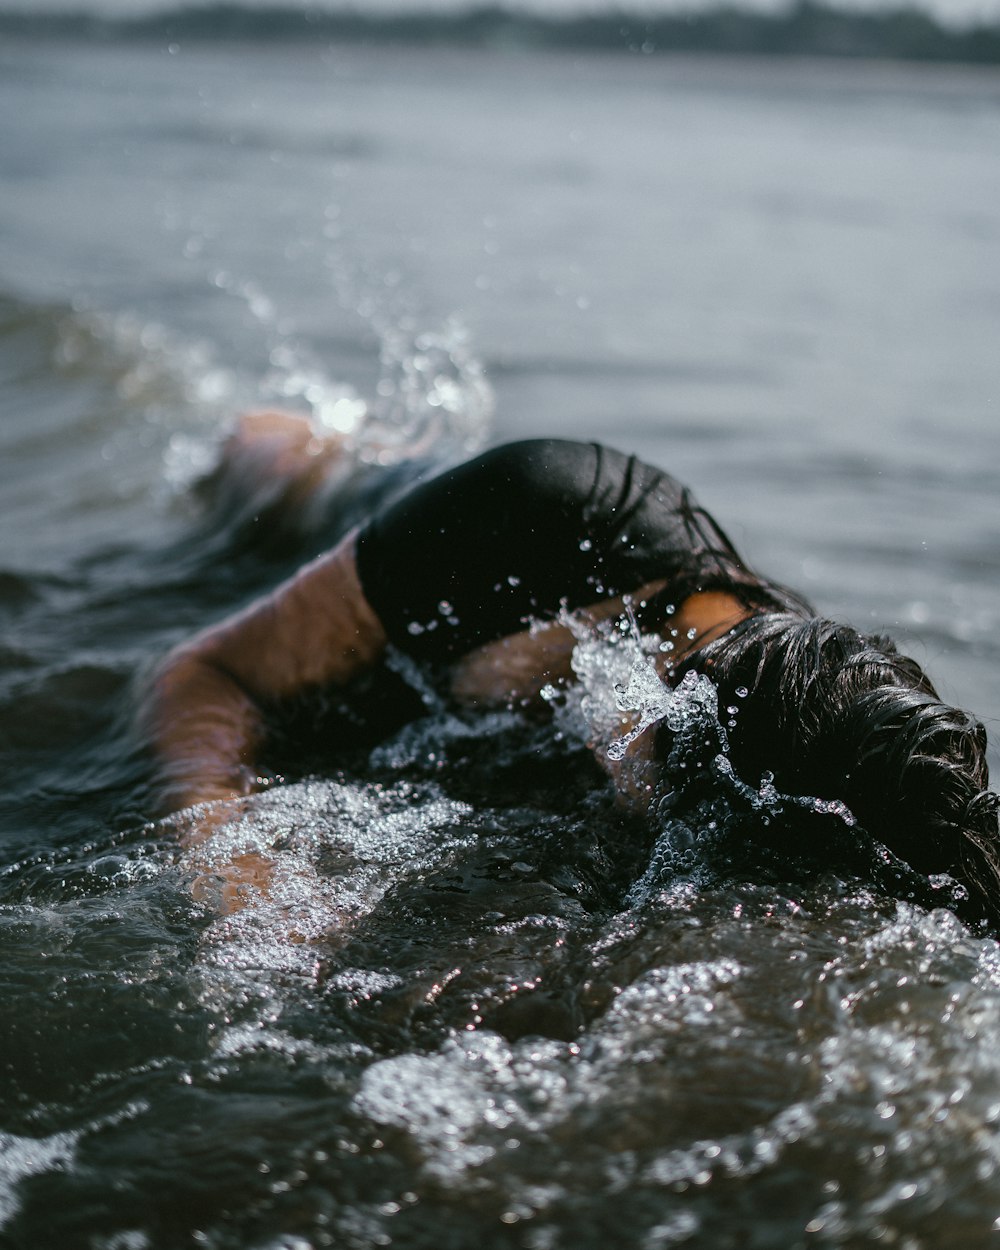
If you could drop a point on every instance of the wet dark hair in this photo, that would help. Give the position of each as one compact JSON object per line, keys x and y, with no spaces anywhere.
{"x":838,"y":715}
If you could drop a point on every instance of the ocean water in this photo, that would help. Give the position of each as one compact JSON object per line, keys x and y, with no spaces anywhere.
{"x":520,"y":1019}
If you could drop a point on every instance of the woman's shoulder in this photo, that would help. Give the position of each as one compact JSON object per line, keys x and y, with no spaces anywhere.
{"x":567,"y":469}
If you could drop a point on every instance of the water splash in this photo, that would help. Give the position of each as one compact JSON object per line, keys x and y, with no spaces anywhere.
{"x":620,"y":694}
{"x":432,"y":394}
{"x":654,"y":700}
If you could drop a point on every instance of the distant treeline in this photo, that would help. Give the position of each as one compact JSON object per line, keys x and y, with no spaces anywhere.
{"x":807,"y":28}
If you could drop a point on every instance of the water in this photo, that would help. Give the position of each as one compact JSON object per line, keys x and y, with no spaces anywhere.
{"x":520,"y":1017}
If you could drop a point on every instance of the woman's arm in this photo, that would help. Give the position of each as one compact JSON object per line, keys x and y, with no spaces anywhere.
{"x":514,"y":669}
{"x":204,"y":712}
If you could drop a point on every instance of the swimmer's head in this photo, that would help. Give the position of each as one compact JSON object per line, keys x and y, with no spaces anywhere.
{"x":835,"y":714}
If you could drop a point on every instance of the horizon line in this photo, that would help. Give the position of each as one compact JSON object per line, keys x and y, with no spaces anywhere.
{"x":819,"y":28}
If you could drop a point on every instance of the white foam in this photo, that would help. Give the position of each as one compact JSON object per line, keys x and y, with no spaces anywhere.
{"x":30,"y":1156}
{"x":464,"y":1104}
{"x":337,"y":848}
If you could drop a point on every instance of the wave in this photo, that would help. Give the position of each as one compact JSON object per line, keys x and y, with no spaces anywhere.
{"x":431,"y":389}
{"x":39,"y":338}
{"x":805,"y":28}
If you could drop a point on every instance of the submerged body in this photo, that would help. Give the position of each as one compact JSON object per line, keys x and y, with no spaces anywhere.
{"x":474,"y":572}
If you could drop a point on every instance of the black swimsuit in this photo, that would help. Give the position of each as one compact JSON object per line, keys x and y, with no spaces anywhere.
{"x":514,"y":534}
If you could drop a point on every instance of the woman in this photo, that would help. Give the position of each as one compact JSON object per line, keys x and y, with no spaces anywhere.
{"x":472,"y":572}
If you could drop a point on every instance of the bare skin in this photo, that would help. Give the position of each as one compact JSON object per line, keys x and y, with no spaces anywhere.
{"x":280,"y":451}
{"x":204,"y":710}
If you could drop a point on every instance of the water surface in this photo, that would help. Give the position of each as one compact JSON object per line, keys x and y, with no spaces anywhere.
{"x":522,"y":1018}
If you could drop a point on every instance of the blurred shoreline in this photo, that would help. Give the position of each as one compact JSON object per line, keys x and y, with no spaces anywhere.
{"x":805,"y":29}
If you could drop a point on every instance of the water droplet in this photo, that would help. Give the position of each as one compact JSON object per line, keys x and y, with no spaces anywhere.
{"x":513,"y":581}
{"x":742,"y":692}
{"x":586,"y":544}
